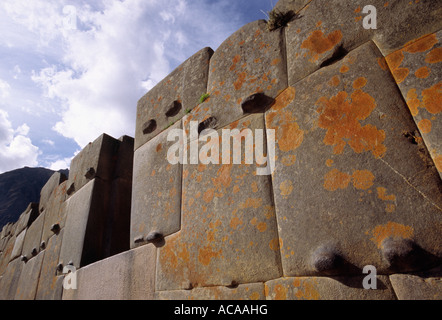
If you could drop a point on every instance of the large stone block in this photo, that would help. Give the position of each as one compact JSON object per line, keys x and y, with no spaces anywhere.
{"x":228,"y":233}
{"x":324,"y":288}
{"x":417,"y":69}
{"x":156,"y":191}
{"x":27,"y":218}
{"x":6,"y":254}
{"x":349,"y":178}
{"x":55,"y":212}
{"x":86,"y":213}
{"x":32,"y":244}
{"x":50,"y":284}
{"x":251,"y":61}
{"x":28,"y":282}
{"x":46,"y":192}
{"x":18,"y":245}
{"x":420,"y":286}
{"x":126,"y":276}
{"x":173,"y":97}
{"x":97,"y":159}
{"x":10,"y":280}
{"x":325,"y":31}
{"x":250,"y":291}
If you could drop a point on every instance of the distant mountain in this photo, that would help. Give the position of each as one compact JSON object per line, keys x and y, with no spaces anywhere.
{"x":20,"y":187}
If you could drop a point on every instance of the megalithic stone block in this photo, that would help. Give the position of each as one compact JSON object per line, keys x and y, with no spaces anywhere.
{"x":10,"y":280}
{"x":417,"y":69}
{"x":324,"y":32}
{"x":249,"y":291}
{"x":250,"y":61}
{"x":156,"y":191}
{"x":28,"y":282}
{"x":31,"y":246}
{"x":27,"y":217}
{"x":127,"y":276}
{"x":18,"y":246}
{"x":420,"y":286}
{"x":6,"y":254}
{"x":86,"y":214}
{"x":228,"y":234}
{"x":348,"y":175}
{"x":124,"y":165}
{"x":328,"y":288}
{"x":173,"y":97}
{"x":55,"y":212}
{"x":50,"y":283}
{"x":97,"y":159}
{"x":46,"y":192}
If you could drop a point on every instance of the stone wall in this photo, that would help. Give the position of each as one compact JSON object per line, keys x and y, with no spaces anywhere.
{"x":356,"y":182}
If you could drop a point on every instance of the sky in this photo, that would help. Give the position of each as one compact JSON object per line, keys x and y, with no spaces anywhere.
{"x":72,"y":70}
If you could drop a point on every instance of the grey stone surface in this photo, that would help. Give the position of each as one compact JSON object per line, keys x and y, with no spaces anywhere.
{"x":28,"y":282}
{"x":85,"y":223}
{"x":420,"y":286}
{"x":6,"y":254}
{"x":228,"y":233}
{"x":250,"y":291}
{"x":325,"y":288}
{"x":10,"y":279}
{"x":50,"y":285}
{"x":55,"y":212}
{"x":250,"y":61}
{"x":417,"y":71}
{"x":156,"y":190}
{"x":126,"y":276}
{"x":325,"y":31}
{"x":46,"y":192}
{"x":18,"y":245}
{"x":347,"y":176}
{"x":97,"y":159}
{"x":27,"y":217}
{"x":173,"y":97}
{"x":32,"y":241}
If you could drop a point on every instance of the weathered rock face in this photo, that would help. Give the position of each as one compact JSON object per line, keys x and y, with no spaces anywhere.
{"x":352,"y":118}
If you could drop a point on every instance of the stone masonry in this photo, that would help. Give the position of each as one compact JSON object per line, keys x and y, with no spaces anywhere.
{"x":356,"y":117}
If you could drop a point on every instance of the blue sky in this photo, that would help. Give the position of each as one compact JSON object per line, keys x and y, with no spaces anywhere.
{"x":65,"y":81}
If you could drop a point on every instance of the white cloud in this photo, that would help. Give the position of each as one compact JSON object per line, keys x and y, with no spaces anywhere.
{"x":16,"y":149}
{"x":60,"y":164}
{"x":48,"y":142}
{"x":4,"y":89}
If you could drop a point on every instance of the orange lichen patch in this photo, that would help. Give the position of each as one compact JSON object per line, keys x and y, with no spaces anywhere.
{"x":235,"y":222}
{"x":280,"y":292}
{"x":359,"y":83}
{"x":288,"y":160}
{"x":390,"y":208}
{"x":255,"y":296}
{"x":425,"y":126}
{"x":208,"y":195}
{"x":434,"y":56}
{"x":394,"y":61}
{"x":438,"y":162}
{"x":432,"y":98}
{"x":413,"y":102}
{"x":223,"y":178}
{"x":235,"y":61}
{"x":422,"y":73}
{"x":421,"y":45}
{"x":262,"y":226}
{"x":317,"y":43}
{"x":382,"y":63}
{"x":275,"y":62}
{"x":159,"y":147}
{"x":334,"y":82}
{"x":284,"y":99}
{"x":240,"y":81}
{"x":275,"y":244}
{"x":341,"y":119}
{"x":286,"y":188}
{"x":206,"y":254}
{"x":385,"y":4}
{"x":382,"y":194}
{"x":357,"y":19}
{"x":363,"y":179}
{"x":251,"y":203}
{"x":358,"y":9}
{"x":329,"y":163}
{"x":318,"y":24}
{"x":306,"y":290}
{"x":335,"y":180}
{"x":254,"y":187}
{"x":390,"y":230}
{"x":344,"y":69}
